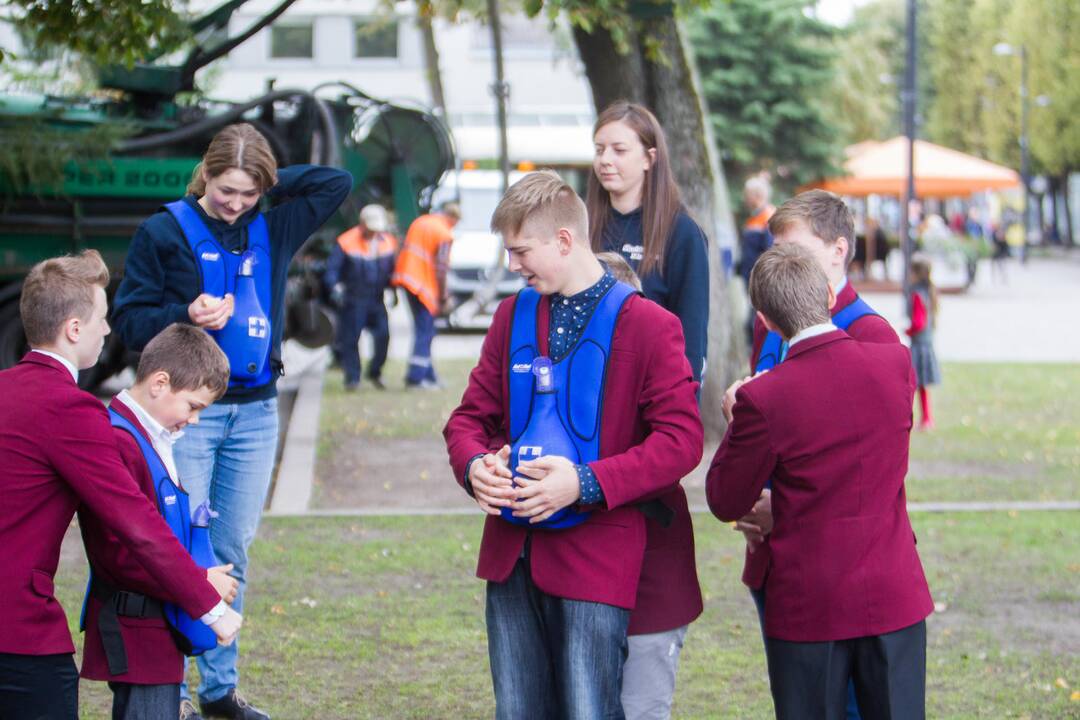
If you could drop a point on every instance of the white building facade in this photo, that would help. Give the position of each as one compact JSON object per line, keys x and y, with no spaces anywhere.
{"x":381,"y":52}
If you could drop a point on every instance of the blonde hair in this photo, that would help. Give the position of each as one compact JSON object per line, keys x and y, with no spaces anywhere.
{"x":236,"y":147}
{"x":191,"y":358}
{"x":790,"y":288}
{"x":57,"y":290}
{"x":544,"y":202}
{"x":620,"y":269}
{"x":823,"y":213}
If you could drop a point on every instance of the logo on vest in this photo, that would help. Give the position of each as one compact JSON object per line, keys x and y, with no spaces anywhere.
{"x":521,"y":367}
{"x":530,"y":451}
{"x":257,"y":327}
{"x":170,"y":499}
{"x":636,"y":252}
{"x":211,"y":256}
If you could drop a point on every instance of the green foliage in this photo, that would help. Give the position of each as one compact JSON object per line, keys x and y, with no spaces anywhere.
{"x":25,"y":168}
{"x":976,"y":104}
{"x":869,"y":72}
{"x":105,"y":31}
{"x":766,"y":68}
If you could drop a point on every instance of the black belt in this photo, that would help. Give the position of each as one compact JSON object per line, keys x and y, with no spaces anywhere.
{"x":115,"y":604}
{"x":658,"y":511}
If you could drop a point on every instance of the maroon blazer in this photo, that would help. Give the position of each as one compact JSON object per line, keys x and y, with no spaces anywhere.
{"x":650,"y":437}
{"x":669,"y":595}
{"x":831,"y":426}
{"x":57,"y":451}
{"x":153,"y":657}
{"x":868,"y":328}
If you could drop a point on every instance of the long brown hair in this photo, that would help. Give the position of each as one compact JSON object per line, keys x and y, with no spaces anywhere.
{"x":660,"y":199}
{"x":920,"y":269}
{"x":236,"y":147}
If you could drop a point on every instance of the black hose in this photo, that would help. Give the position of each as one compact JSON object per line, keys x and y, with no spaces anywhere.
{"x":152,"y":142}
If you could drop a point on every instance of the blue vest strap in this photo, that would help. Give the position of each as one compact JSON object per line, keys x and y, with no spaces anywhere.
{"x":849,"y":314}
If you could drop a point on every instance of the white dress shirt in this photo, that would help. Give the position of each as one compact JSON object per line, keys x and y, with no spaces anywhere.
{"x":63,"y":360}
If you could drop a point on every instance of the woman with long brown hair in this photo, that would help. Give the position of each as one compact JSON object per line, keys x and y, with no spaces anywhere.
{"x":635,"y":209}
{"x":184,"y":265}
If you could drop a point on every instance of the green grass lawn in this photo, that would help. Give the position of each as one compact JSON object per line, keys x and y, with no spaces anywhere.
{"x":1004,"y":432}
{"x":383,"y":617}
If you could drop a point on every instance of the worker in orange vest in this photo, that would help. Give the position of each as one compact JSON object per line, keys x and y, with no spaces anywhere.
{"x":421,"y":269}
{"x":357,"y":273}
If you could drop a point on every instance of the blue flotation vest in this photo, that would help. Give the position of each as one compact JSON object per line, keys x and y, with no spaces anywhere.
{"x":556,"y":407}
{"x":246,"y":337}
{"x":193,"y":636}
{"x":774,"y":348}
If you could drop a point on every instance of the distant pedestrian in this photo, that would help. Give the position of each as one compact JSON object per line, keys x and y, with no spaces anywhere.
{"x":923,"y":305}
{"x":421,"y":269}
{"x":756,"y":237}
{"x":358,"y":272}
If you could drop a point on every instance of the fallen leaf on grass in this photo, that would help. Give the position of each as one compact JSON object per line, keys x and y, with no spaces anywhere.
{"x":1075,"y":697}
{"x":1060,"y":682}
{"x":941,"y":607}
{"x":277,"y":610}
{"x":307,"y":601}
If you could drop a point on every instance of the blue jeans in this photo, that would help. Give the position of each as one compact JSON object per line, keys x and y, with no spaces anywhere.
{"x":552,"y":657}
{"x":358,"y":314}
{"x":759,"y":602}
{"x":420,"y":367}
{"x":228,"y":457}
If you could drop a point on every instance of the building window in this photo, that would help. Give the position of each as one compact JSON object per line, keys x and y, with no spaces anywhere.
{"x":375,"y":38}
{"x":292,"y":41}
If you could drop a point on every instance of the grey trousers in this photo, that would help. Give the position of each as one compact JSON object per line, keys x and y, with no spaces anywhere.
{"x":649,"y":674}
{"x":145,"y":702}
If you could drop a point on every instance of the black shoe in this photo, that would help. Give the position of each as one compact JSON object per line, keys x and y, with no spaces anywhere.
{"x":352,"y":387}
{"x":233,"y":707}
{"x":377,"y":383}
{"x":188,"y":711}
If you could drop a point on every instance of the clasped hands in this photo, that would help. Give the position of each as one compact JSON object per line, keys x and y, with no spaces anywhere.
{"x":542,"y":486}
{"x":226,"y":626}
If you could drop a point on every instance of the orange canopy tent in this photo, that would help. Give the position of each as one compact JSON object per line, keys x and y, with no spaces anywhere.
{"x":880,"y":168}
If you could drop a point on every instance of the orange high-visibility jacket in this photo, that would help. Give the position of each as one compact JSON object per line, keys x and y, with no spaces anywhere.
{"x":353,"y":242}
{"x":415,"y":270}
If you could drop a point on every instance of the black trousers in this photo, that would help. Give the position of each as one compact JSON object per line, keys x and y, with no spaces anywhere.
{"x":810,"y":679}
{"x":38,"y":687}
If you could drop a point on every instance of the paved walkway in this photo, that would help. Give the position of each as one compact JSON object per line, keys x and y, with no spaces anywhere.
{"x":1028,"y":318}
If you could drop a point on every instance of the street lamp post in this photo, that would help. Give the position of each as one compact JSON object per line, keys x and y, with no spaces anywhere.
{"x":1025,"y":162}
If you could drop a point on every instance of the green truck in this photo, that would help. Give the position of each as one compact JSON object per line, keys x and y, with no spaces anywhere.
{"x":84,"y":172}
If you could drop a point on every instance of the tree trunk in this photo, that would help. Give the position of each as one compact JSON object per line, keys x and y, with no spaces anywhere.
{"x":1070,"y":239}
{"x":671,"y":91}
{"x":424,"y":15}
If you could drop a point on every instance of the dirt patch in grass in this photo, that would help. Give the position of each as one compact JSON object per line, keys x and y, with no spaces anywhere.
{"x":387,"y":473}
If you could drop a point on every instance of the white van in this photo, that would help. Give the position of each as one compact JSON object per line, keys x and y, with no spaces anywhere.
{"x":477,"y":254}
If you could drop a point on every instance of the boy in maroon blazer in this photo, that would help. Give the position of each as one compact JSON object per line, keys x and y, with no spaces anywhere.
{"x":821,"y":223}
{"x":558,"y":601}
{"x":181,"y":372}
{"x":58,"y":452}
{"x":847,"y":597}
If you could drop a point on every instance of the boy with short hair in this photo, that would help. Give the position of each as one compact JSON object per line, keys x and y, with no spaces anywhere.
{"x":181,"y":372}
{"x":821,"y":223}
{"x":564,"y":542}
{"x":58,"y":453}
{"x":847,"y":596}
